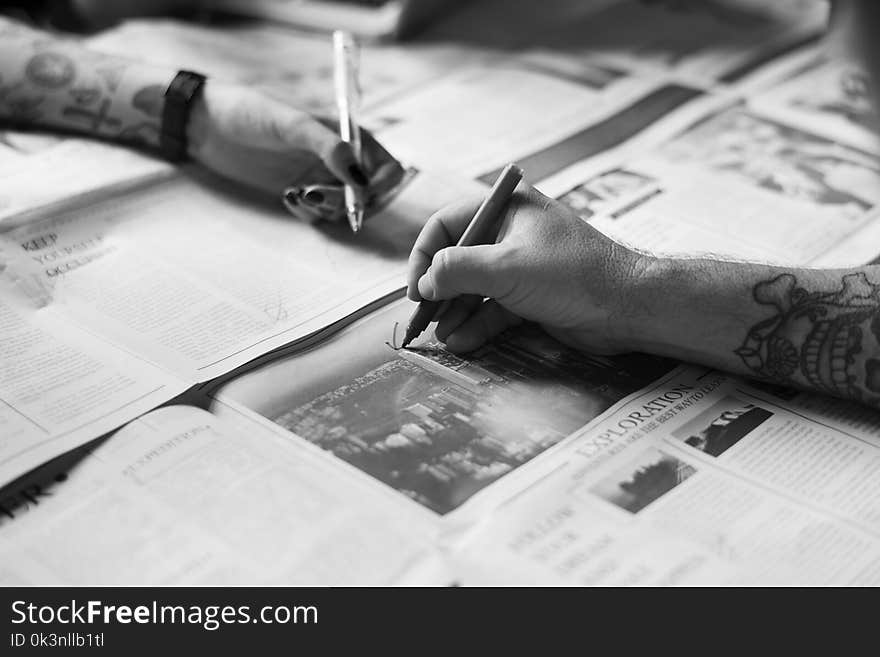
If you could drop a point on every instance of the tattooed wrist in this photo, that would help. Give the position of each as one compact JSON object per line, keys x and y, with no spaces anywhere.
{"x":51,"y":83}
{"x":822,"y":339}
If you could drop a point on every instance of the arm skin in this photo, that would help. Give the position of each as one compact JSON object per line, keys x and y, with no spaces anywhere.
{"x":816,"y":330}
{"x":812,"y":329}
{"x":46,"y":82}
{"x":236,"y":132}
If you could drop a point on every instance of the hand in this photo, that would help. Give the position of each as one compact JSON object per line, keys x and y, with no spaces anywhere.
{"x":547,"y":266}
{"x":263,"y":143}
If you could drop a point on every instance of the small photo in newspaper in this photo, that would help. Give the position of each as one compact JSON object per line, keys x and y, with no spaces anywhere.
{"x":643,"y":480}
{"x":722,"y":425}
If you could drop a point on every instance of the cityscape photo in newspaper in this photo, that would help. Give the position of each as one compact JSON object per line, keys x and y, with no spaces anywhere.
{"x":438,"y":427}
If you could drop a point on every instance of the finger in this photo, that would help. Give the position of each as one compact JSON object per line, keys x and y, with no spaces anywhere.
{"x":442,"y":229}
{"x":296,"y":208}
{"x":328,"y":200}
{"x":458,"y":270}
{"x":485,"y":323}
{"x":314,"y":202}
{"x":337,"y":155}
{"x":458,"y":310}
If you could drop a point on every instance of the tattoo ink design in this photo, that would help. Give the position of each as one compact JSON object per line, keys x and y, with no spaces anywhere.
{"x":17,"y":106}
{"x":832,"y":325}
{"x":50,"y":70}
{"x":872,"y":365}
{"x":149,"y":100}
{"x":85,"y":96}
{"x":111,"y":75}
{"x":98,"y":119}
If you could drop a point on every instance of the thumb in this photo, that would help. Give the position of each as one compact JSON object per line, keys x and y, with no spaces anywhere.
{"x":458,"y":270}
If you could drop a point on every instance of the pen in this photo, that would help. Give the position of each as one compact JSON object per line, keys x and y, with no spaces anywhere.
{"x":345,"y":74}
{"x":486,"y":216}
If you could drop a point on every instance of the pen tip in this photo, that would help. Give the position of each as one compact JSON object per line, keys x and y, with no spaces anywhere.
{"x":357,"y":221}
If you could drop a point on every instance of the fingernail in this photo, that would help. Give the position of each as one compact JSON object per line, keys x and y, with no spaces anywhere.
{"x":358,"y":175}
{"x":314,"y":197}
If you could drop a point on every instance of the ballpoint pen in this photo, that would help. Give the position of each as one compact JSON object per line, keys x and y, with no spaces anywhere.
{"x":490,"y":211}
{"x":345,"y":77}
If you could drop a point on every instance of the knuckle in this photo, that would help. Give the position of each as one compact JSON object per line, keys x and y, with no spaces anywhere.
{"x":442,"y":262}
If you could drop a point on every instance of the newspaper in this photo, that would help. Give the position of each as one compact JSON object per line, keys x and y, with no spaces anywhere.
{"x":725,"y":178}
{"x":702,"y":480}
{"x":346,"y":461}
{"x":825,"y":94}
{"x":696,"y":478}
{"x":478,"y":119}
{"x":434,"y":427}
{"x":181,"y":497}
{"x":81,"y":169}
{"x":112,"y":308}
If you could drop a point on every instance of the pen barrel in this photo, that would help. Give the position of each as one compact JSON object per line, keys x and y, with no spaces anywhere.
{"x":345,"y":79}
{"x":492,"y":207}
{"x":484,"y":219}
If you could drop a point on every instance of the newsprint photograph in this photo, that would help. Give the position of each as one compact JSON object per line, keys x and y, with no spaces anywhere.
{"x":306,"y":300}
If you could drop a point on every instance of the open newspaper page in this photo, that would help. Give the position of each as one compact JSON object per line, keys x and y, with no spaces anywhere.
{"x":478,"y":119}
{"x":80,"y":169}
{"x":451,"y":435}
{"x":200,"y":282}
{"x":182,"y":497}
{"x":176,"y":283}
{"x":700,"y":480}
{"x":825,"y":94}
{"x":60,"y":386}
{"x":733,"y":183}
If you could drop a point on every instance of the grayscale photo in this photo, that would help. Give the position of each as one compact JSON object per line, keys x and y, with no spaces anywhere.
{"x":845,"y":94}
{"x":644,"y":480}
{"x":438,"y":427}
{"x":369,"y":294}
{"x":613,"y":191}
{"x":722,"y":425}
{"x":783,"y":160}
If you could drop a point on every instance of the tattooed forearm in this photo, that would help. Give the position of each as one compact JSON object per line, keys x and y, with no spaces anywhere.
{"x":826,"y":340}
{"x":53,"y":83}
